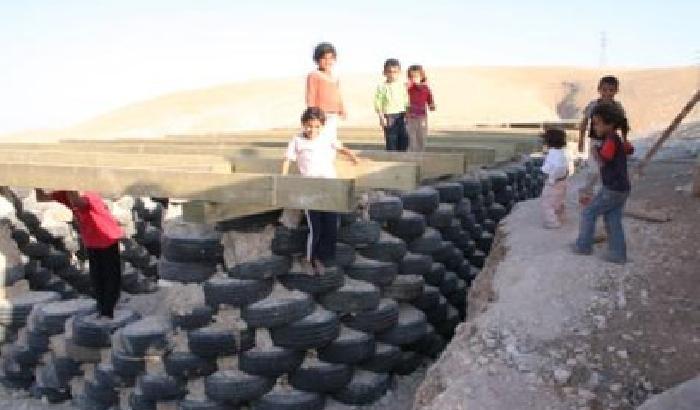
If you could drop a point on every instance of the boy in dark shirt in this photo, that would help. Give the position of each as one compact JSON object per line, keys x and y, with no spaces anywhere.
{"x":608,"y":119}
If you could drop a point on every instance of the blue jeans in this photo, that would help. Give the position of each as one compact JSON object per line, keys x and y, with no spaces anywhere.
{"x":395,"y":133}
{"x":609,"y":204}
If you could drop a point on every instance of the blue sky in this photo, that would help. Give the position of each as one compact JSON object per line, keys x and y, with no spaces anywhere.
{"x":64,"y":61}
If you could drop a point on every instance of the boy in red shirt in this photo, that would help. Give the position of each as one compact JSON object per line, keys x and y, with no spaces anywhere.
{"x":419,"y":96}
{"x":100,"y":234}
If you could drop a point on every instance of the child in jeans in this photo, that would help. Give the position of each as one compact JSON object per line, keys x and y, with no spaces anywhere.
{"x":323,"y":88}
{"x":100,"y":234}
{"x":608,"y":119}
{"x":315,"y":154}
{"x":390,"y":102}
{"x":419,"y":96}
{"x":556,"y":167}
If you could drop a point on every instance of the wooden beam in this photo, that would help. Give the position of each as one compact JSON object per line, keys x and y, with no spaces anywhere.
{"x":249,"y":189}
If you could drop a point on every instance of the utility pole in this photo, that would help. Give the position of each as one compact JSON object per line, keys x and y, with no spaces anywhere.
{"x":603,"y":49}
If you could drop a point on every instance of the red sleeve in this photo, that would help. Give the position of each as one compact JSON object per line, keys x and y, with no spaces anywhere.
{"x":311,"y":91}
{"x":607,"y":151}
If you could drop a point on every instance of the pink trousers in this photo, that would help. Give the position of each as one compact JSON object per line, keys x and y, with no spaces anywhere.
{"x":553,"y":198}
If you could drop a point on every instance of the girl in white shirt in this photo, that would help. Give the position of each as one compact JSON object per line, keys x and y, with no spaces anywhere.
{"x":556,"y":168}
{"x":315,"y":152}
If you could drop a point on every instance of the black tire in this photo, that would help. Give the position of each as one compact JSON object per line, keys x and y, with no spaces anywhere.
{"x":388,"y":249}
{"x":411,"y":225}
{"x":444,"y":252}
{"x":344,"y":254}
{"x":350,"y":347}
{"x":431,"y":345}
{"x":21,"y":236}
{"x":463,"y":208}
{"x":424,"y":200}
{"x":385,"y":316}
{"x":22,"y":354}
{"x":88,"y":331}
{"x":450,"y":192}
{"x":385,"y":358}
{"x":37,"y":340}
{"x":385,"y":208}
{"x":160,"y":387}
{"x":189,"y":250}
{"x":427,"y":243}
{"x":314,"y":331}
{"x":364,"y":388}
{"x":354,"y":296}
{"x":412,"y":325}
{"x":438,"y":314}
{"x":277,"y":310}
{"x":290,"y":400}
{"x":100,"y":394}
{"x":187,"y":365}
{"x":428,"y":299}
{"x":144,"y":334}
{"x":442,"y":216}
{"x":332,"y":279}
{"x":106,"y":376}
{"x":235,"y":386}
{"x":55,"y":259}
{"x":499,"y":179}
{"x":151,"y":240}
{"x":505,"y":195}
{"x":415,"y":264}
{"x":497,"y":212}
{"x":435,"y":275}
{"x":478,"y":258}
{"x":490,"y":225}
{"x":235,"y":292}
{"x":452,"y":231}
{"x":465,"y":272}
{"x":469,"y":249}
{"x":289,"y":242}
{"x":191,"y":272}
{"x":36,"y":249}
{"x":489,"y":199}
{"x":138,"y":402}
{"x":51,"y":317}
{"x":485,"y":242}
{"x":405,"y":288}
{"x":377,"y":272}
{"x":447,"y":327}
{"x":476,"y":231}
{"x":270,"y":361}
{"x":255,"y":221}
{"x":449,"y":283}
{"x":14,"y":312}
{"x":409,"y":363}
{"x":458,"y":298}
{"x":264,"y":268}
{"x":320,"y":377}
{"x":211,"y":342}
{"x":205,"y":404}
{"x":486,"y":185}
{"x":198,"y":316}
{"x":360,"y":232}
{"x":471,"y":186}
{"x":127,"y":366}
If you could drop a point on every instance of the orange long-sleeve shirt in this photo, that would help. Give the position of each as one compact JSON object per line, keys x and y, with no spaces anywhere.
{"x":323,"y":91}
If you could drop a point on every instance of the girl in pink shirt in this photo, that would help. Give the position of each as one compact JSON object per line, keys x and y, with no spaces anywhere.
{"x":419,"y":96}
{"x":323,"y":88}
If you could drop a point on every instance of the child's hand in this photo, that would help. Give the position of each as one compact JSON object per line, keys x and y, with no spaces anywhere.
{"x":432,"y":107}
{"x":382,"y":121}
{"x":343,"y":115}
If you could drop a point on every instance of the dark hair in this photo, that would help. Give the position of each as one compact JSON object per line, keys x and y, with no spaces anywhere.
{"x":391,"y":62}
{"x":609,"y":80}
{"x":322,"y":49}
{"x":611,"y":114}
{"x":313,"y":113}
{"x":419,"y":68}
{"x":554,"y":138}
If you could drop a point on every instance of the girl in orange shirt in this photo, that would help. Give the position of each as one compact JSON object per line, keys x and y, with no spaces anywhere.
{"x":323,"y":88}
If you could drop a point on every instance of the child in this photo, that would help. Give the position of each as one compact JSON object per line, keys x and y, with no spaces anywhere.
{"x":608,"y":119}
{"x":315,"y":157}
{"x":608,"y":87}
{"x":100,"y":234}
{"x":390,"y":102}
{"x":323,"y":89}
{"x":556,"y":167}
{"x":419,"y":95}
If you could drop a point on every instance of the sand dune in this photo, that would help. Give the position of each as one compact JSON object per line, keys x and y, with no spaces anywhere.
{"x":464,"y":96}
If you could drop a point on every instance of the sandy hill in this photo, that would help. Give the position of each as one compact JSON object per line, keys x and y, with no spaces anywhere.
{"x":464,"y":96}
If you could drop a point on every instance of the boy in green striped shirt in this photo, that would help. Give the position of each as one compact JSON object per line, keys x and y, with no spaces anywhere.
{"x":390,"y":103}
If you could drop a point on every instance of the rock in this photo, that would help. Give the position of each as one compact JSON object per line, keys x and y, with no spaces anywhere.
{"x":562,"y":376}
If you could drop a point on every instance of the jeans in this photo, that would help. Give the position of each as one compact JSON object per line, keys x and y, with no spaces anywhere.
{"x":395,"y":133}
{"x":106,"y":276}
{"x":609,"y":204}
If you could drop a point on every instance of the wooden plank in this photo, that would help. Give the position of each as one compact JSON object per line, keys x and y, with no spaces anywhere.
{"x":210,"y":213}
{"x":250,"y":189}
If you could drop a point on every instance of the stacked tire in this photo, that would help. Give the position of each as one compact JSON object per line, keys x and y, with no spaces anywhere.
{"x":189,"y":256}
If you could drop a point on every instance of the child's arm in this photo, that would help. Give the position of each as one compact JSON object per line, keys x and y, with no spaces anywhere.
{"x":607,"y":150}
{"x":582,"y":128}
{"x":311,"y":91}
{"x":285,"y":167}
{"x":290,"y":155}
{"x":348,"y":153}
{"x":379,"y":106}
{"x":431,"y":102}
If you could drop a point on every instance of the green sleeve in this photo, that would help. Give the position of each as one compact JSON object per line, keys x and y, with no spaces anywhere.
{"x":379,"y":99}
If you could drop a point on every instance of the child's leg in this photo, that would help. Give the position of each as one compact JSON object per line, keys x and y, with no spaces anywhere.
{"x":617,"y":248}
{"x":112,"y":279}
{"x":559,"y":204}
{"x":328,"y":237}
{"x":602,"y":203}
{"x":402,"y":140}
{"x":412,"y":124}
{"x":390,"y":135}
{"x":422,"y":133}
{"x":95,"y":260}
{"x":548,"y":205}
{"x":314,"y":239}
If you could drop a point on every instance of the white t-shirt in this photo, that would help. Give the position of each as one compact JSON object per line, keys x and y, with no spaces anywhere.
{"x":556,"y":165}
{"x":315,"y":158}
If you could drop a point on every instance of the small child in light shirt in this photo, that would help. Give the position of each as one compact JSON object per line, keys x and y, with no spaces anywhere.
{"x":315,"y":152}
{"x":556,"y":168}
